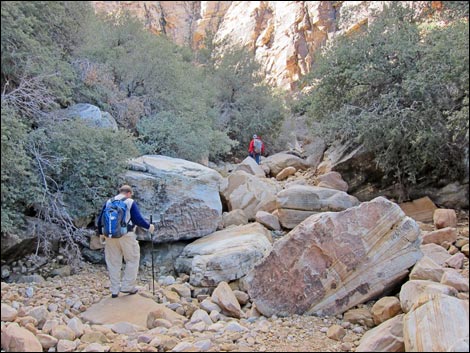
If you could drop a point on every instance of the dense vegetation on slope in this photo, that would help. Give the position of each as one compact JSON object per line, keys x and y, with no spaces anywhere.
{"x":401,"y":88}
{"x":165,"y":99}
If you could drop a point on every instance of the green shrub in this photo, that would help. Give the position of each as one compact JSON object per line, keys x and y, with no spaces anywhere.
{"x":83,"y":163}
{"x":245,"y":105}
{"x":19,"y":182}
{"x":181,"y":137}
{"x":37,"y":40}
{"x":401,"y":91}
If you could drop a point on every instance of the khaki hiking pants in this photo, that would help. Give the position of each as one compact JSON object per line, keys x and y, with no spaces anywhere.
{"x":115,"y":249}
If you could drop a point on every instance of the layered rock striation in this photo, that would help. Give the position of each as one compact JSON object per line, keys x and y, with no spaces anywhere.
{"x":283,"y":35}
{"x":335,"y":260}
{"x":182,"y":196}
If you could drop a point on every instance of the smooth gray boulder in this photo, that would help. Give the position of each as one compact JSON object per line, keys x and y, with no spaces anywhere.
{"x":91,"y":114}
{"x":277,"y":162}
{"x":225,"y":255}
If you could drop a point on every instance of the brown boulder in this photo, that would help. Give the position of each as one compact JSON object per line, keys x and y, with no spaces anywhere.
{"x":444,"y":217}
{"x":332,"y":180}
{"x":335,"y":260}
{"x":420,"y":210}
{"x":19,"y":339}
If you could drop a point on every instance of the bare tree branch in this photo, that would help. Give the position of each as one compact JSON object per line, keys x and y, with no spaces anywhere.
{"x":31,"y":97}
{"x":52,"y":210}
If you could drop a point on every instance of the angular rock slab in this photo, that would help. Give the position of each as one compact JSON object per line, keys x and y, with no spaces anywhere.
{"x":436,"y":325}
{"x":277,"y":162}
{"x":297,"y":202}
{"x":125,"y":308}
{"x":420,"y":210}
{"x":225,"y":255}
{"x":332,"y":180}
{"x":413,"y":292}
{"x":315,"y":198}
{"x":182,"y":196}
{"x":249,"y":193}
{"x":336,"y":260}
{"x":386,"y":337}
{"x":250,"y":166}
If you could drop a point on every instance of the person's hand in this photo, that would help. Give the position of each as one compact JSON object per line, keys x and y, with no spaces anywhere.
{"x":102,"y":239}
{"x":152,"y":228}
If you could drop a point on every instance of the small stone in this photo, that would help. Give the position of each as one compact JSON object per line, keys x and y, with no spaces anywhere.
{"x":346,"y":346}
{"x":336,"y":332}
{"x":166,"y":281}
{"x":66,"y":346}
{"x":53,"y":307}
{"x":8,"y":313}
{"x":5,"y":272}
{"x":29,"y":292}
{"x":46,"y":341}
{"x":358,"y":330}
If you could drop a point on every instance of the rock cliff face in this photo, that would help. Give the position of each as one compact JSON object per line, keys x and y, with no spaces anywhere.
{"x":284,"y":35}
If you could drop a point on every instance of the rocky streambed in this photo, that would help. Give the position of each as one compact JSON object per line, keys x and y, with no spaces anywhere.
{"x":68,"y":313}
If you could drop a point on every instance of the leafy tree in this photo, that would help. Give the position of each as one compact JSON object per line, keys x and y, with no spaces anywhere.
{"x":190,"y":111}
{"x":80,"y":162}
{"x":245,"y":105}
{"x":402,"y":91}
{"x":37,"y":40}
{"x":452,"y":10}
{"x":177,"y":97}
{"x":36,"y":75}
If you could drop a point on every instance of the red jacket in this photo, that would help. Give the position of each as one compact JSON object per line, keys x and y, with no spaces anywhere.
{"x":251,"y":149}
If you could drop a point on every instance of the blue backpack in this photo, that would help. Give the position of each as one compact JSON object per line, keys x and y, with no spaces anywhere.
{"x":113,"y":219}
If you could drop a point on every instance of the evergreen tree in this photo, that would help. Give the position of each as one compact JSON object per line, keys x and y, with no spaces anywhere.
{"x":401,"y":89}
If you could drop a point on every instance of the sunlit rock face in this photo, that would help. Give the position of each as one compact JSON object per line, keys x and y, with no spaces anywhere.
{"x":284,"y":35}
{"x":182,"y":196}
{"x":333,"y":261}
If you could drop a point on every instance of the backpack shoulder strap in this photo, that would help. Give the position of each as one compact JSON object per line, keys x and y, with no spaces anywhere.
{"x":112,"y":199}
{"x":129,"y":202}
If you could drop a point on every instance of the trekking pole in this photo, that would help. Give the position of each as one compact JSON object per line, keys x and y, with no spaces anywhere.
{"x":153,"y":272}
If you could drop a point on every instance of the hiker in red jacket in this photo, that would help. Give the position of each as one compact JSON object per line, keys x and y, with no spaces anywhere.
{"x":256,"y":148}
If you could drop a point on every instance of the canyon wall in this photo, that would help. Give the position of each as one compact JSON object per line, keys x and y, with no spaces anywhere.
{"x":283,"y":35}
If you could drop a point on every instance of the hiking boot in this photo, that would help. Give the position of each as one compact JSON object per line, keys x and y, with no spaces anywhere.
{"x":114,"y":295}
{"x":130,"y":292}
